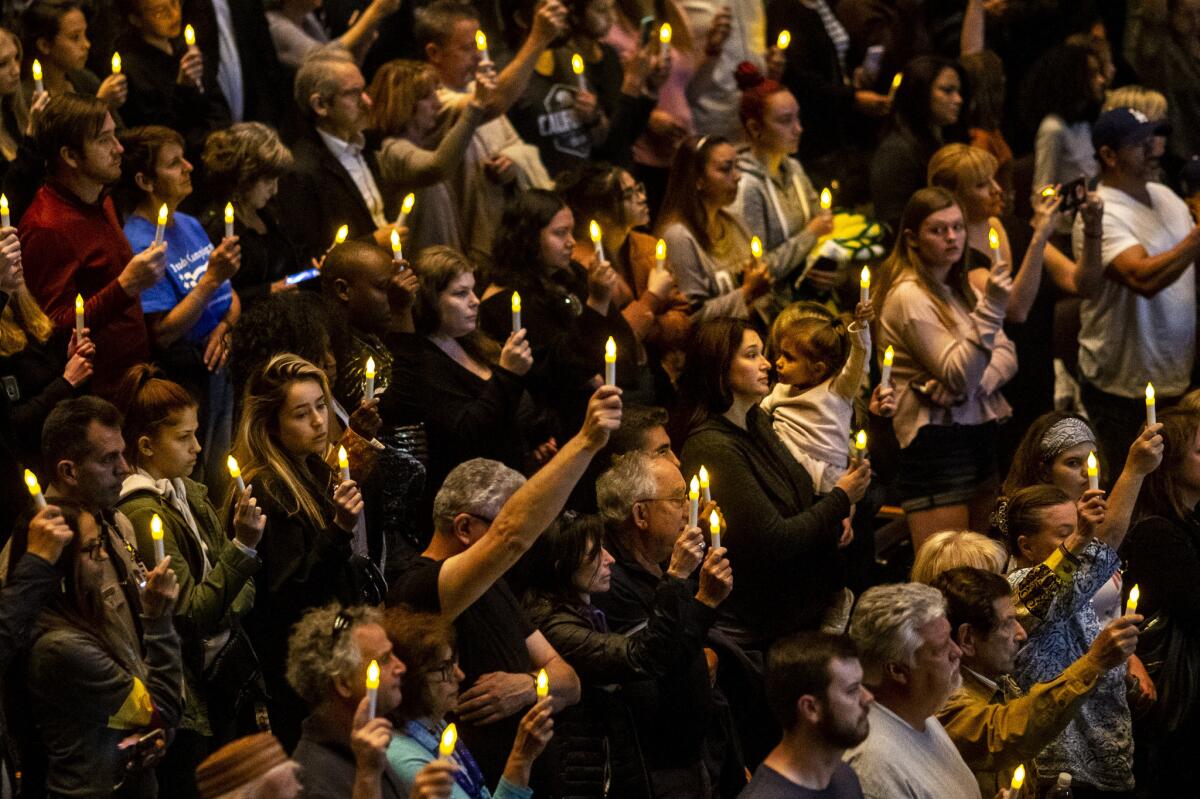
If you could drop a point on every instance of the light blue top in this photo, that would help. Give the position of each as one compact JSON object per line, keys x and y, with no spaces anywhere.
{"x":407,"y":756}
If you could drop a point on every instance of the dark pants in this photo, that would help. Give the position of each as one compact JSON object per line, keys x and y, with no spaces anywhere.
{"x":177,"y":771}
{"x":1117,"y":422}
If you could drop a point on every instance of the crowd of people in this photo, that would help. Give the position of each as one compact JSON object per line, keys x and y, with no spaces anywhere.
{"x":646,"y":399}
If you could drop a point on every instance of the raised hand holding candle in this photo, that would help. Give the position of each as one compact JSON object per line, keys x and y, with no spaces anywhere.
{"x":163,"y":213}
{"x":660,"y":254}
{"x":543,"y":685}
{"x":228,"y":220}
{"x":860,"y":446}
{"x":406,"y":207}
{"x":1150,"y":416}
{"x":596,"y":235}
{"x":664,"y":41}
{"x":481,"y":46}
{"x":38,"y":86}
{"x":693,"y":502}
{"x":1093,"y":471}
{"x":5,"y":216}
{"x":864,"y":285}
{"x":889,"y":355}
{"x":35,"y":490}
{"x":705,"y":485}
{"x":369,"y":372}
{"x":235,"y":472}
{"x":344,"y":464}
{"x":156,"y":535}
{"x":516,"y":311}
{"x":78,"y":318}
{"x":577,"y":68}
{"x":896,"y":81}
{"x":372,"y":689}
{"x":397,"y":247}
{"x":1018,"y":778}
{"x":826,"y":199}
{"x":610,"y":362}
{"x":116,"y":64}
{"x":784,"y":39}
{"x":449,"y":739}
{"x":1131,"y":605}
{"x":714,"y":527}
{"x":994,"y":244}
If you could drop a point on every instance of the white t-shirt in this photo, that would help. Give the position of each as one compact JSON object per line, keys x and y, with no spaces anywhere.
{"x":1127,"y":340}
{"x":897,"y":762}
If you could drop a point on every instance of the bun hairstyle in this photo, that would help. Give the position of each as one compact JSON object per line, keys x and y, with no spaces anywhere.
{"x":147,"y":400}
{"x":756,"y":88}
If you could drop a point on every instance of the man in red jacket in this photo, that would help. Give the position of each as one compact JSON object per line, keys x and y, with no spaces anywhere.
{"x":72,"y":243}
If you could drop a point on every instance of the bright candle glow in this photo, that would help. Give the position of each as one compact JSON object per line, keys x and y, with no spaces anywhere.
{"x":1093,"y":466}
{"x":235,"y":471}
{"x":610,"y":351}
{"x":370,"y":367}
{"x":704,"y":482}
{"x":373,"y":675}
{"x":449,"y":738}
{"x":756,"y":247}
{"x":395,"y":242}
{"x":342,"y":233}
{"x":37,"y":69}
{"x":785,"y":38}
{"x":1131,"y":605}
{"x":826,"y":199}
{"x":343,"y":459}
{"x":189,"y":36}
{"x":116,"y":63}
{"x":229,"y":213}
{"x":31,"y":482}
{"x":896,"y":81}
{"x":1018,"y":778}
{"x":889,"y":355}
{"x":660,"y":250}
{"x":860,"y":441}
{"x":480,"y":41}
{"x":694,"y":488}
{"x":993,"y":239}
{"x":594,"y":231}
{"x":410,"y":199}
{"x":516,"y":302}
{"x":162,"y":214}
{"x":577,"y":64}
{"x":664,"y":33}
{"x":543,"y":685}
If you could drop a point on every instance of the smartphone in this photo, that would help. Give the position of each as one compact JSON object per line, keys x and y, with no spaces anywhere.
{"x":872,"y":61}
{"x":300,"y":277}
{"x":1074,"y":195}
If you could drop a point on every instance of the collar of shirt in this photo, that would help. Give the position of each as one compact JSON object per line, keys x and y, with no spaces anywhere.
{"x":339,"y":147}
{"x":987,"y":683}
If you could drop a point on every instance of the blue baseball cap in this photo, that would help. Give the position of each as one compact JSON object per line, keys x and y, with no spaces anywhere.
{"x":1120,"y":127}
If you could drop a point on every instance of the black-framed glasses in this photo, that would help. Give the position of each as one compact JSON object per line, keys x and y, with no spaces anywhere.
{"x":445,"y":670}
{"x":94,"y":550}
{"x":679,"y":500}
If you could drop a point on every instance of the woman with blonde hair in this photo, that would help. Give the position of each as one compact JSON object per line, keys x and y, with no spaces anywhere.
{"x":404,"y":114}
{"x":309,"y":551}
{"x":14,"y":111}
{"x":950,"y":549}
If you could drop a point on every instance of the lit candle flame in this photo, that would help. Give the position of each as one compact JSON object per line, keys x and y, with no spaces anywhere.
{"x":1134,"y":594}
{"x":594,"y":231}
{"x":480,"y":41}
{"x":704,"y":482}
{"x":370,"y":367}
{"x":449,"y":738}
{"x":235,"y":471}
{"x":342,"y":233}
{"x":756,"y":247}
{"x":860,"y":441}
{"x":714,"y":522}
{"x":694,"y":488}
{"x":1149,"y":393}
{"x":896,"y":81}
{"x":228,"y":213}
{"x":373,"y":676}
{"x":610,"y":351}
{"x":664,"y":33}
{"x":395,"y":242}
{"x":1018,"y":778}
{"x":162,"y":214}
{"x":4,"y":204}
{"x":1049,"y":191}
{"x":543,"y":684}
{"x":826,"y":199}
{"x":785,"y":38}
{"x":993,"y":238}
{"x":78,"y":304}
{"x":577,"y":64}
{"x":516,"y":302}
{"x":1093,"y":466}
{"x":116,"y":64}
{"x":156,"y":531}
{"x":410,"y":199}
{"x":37,"y":69}
{"x":864,"y":278}
{"x":660,"y":250}
{"x":889,"y":355}
{"x":189,"y":36}
{"x":343,"y":459}
{"x":31,"y":482}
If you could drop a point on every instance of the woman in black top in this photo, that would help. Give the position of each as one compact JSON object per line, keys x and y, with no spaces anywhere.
{"x":54,"y":32}
{"x":567,"y":310}
{"x":784,"y":547}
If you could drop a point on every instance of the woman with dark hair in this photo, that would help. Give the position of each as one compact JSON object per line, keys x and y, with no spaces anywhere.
{"x":985,"y":112}
{"x":567,"y":309}
{"x":783,"y":544}
{"x":215,"y":573}
{"x":425,"y":643}
{"x":54,"y":32}
{"x":928,"y":112}
{"x":951,"y":358}
{"x":647,"y":296}
{"x":709,"y":246}
{"x":1163,"y":556}
{"x":565,"y":568}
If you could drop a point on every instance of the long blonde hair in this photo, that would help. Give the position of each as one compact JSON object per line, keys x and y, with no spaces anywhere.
{"x":13,"y":109}
{"x":22,"y":317}
{"x":257,"y":446}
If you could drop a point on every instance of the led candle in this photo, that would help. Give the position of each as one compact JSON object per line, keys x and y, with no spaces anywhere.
{"x":714,"y":527}
{"x":826,"y":199}
{"x":162,"y":224}
{"x":543,"y":684}
{"x":756,"y":247}
{"x":116,"y":63}
{"x":1093,"y":471}
{"x":660,"y":254}
{"x":344,"y":463}
{"x":481,"y":45}
{"x":35,"y":490}
{"x":372,"y":688}
{"x":235,"y":472}
{"x":406,"y":207}
{"x":38,"y":86}
{"x":78,"y":318}
{"x":1018,"y":778}
{"x":889,"y":355}
{"x":5,"y":216}
{"x":610,"y":362}
{"x":664,"y":41}
{"x":1049,"y":191}
{"x":449,"y":738}
{"x":693,"y":502}
{"x":595,"y":234}
{"x":896,"y":81}
{"x":516,"y":311}
{"x":705,"y":486}
{"x":864,"y":285}
{"x":1150,"y":417}
{"x":228,"y":220}
{"x":994,"y":245}
{"x":369,"y":388}
{"x":397,"y":247}
{"x":156,"y":534}
{"x":1131,"y":605}
{"x":785,"y":38}
{"x":577,"y":68}
{"x":189,"y":36}
{"x":342,"y":233}
{"x":860,"y":445}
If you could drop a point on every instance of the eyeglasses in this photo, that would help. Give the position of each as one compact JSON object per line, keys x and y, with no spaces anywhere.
{"x":95,"y":550}
{"x":679,"y":500}
{"x":444,"y":670}
{"x":636,"y":190}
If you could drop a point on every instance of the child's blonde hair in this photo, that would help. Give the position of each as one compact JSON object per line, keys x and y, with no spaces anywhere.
{"x":822,"y":337}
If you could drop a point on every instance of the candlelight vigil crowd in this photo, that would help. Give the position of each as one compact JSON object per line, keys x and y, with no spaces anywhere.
{"x":571,"y":399}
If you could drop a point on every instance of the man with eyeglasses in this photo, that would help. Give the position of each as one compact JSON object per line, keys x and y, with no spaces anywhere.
{"x":485,"y":517}
{"x":644,"y":504}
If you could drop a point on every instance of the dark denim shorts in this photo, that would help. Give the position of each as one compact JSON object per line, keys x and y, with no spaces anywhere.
{"x":946,"y":465}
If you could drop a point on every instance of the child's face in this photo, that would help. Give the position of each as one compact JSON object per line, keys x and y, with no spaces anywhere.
{"x":795,"y":367}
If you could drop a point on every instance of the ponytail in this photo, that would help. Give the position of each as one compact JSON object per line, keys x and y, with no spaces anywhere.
{"x":147,"y":400}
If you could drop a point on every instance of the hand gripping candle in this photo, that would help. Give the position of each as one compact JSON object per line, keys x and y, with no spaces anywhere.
{"x":1093,"y":471}
{"x":235,"y":472}
{"x":372,"y":689}
{"x":449,"y":739}
{"x":577,"y":68}
{"x":343,"y":464}
{"x":705,"y":486}
{"x":228,"y":220}
{"x":35,"y":490}
{"x":610,"y":362}
{"x":714,"y":527}
{"x":156,"y":535}
{"x":595,"y":234}
{"x":889,"y":355}
{"x":1150,"y":417}
{"x":1131,"y":605}
{"x":397,"y":247}
{"x":162,"y":223}
{"x":693,"y":501}
{"x":543,"y":684}
{"x":664,"y":41}
{"x":864,"y":285}
{"x":516,"y":311}
{"x":369,"y":373}
{"x":784,"y":39}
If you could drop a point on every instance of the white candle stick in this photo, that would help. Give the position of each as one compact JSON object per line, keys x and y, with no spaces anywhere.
{"x":714,"y":526}
{"x":343,"y":464}
{"x":1093,"y":472}
{"x":516,"y":312}
{"x":5,"y":216}
{"x":889,"y":355}
{"x":235,"y":472}
{"x":228,"y":220}
{"x":610,"y":362}
{"x":397,"y":247}
{"x":596,"y":236}
{"x":369,"y":388}
{"x":79,"y":320}
{"x":694,"y":502}
{"x":373,"y":689}
{"x":864,"y":285}
{"x":406,"y":207}
{"x":35,"y":490}
{"x":162,"y":224}
{"x":156,"y":535}
{"x":38,"y":86}
{"x":660,"y":254}
{"x":1151,"y":420}
{"x":994,"y":245}
{"x":577,"y":68}
{"x":664,"y":41}
{"x":860,"y":446}
{"x":481,"y":45}
{"x":705,"y":485}
{"x":1131,"y":605}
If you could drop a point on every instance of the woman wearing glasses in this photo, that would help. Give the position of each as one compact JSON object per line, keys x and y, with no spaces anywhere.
{"x":425,"y":642}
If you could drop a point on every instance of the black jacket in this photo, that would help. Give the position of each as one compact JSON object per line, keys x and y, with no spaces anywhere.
{"x":328,"y":762}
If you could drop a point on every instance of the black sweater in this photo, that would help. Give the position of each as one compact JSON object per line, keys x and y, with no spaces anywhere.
{"x":33,"y":380}
{"x":782,"y":545}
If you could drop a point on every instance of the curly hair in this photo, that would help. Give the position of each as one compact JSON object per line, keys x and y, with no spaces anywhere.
{"x":237,"y":157}
{"x":295,"y":321}
{"x":321,"y":648}
{"x":886,"y":624}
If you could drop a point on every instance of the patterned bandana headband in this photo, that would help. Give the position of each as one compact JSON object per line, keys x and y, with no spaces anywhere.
{"x":1064,"y":434}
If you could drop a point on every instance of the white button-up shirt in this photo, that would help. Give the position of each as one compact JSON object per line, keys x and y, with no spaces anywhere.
{"x":349,"y":155}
